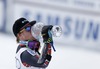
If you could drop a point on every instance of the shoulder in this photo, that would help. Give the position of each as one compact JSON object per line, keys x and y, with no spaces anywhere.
{"x":28,"y":52}
{"x":19,"y":47}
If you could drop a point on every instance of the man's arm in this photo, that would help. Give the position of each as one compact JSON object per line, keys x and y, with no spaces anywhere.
{"x":32,"y":60}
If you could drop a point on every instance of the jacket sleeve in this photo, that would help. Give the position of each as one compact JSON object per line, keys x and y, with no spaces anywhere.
{"x":33,"y":60}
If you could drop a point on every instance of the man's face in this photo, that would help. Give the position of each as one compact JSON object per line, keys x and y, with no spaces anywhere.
{"x":25,"y":33}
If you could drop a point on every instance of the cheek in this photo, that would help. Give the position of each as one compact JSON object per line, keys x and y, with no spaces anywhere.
{"x":28,"y":34}
{"x":22,"y":36}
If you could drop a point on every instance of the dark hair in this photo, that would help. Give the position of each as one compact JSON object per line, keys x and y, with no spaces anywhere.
{"x":17,"y":40}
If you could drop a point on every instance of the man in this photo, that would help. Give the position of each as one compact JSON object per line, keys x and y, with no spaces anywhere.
{"x":27,"y":54}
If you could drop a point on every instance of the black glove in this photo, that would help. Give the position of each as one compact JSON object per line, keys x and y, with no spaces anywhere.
{"x":46,"y":34}
{"x":48,"y":57}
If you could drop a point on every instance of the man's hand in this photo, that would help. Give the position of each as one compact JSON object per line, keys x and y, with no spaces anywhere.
{"x":33,"y":44}
{"x":46,"y":34}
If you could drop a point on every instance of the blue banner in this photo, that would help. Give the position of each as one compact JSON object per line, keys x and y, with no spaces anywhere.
{"x":3,"y":16}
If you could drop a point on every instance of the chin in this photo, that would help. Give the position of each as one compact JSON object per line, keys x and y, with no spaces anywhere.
{"x":32,"y":38}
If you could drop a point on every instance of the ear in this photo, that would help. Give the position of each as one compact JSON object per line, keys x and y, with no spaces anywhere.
{"x":19,"y":35}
